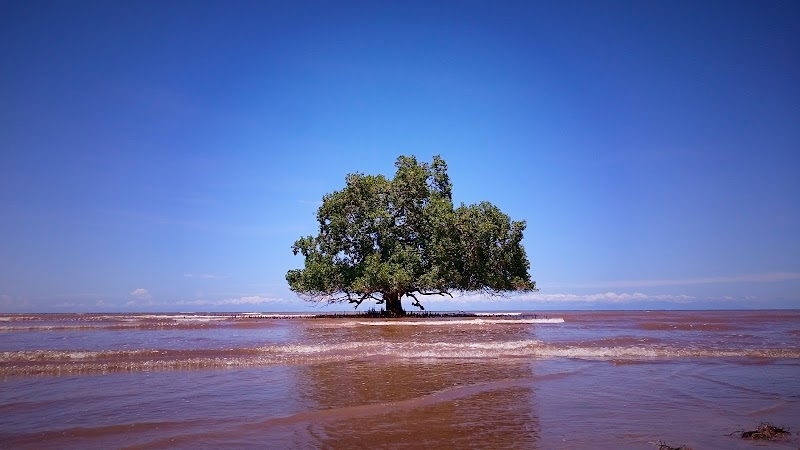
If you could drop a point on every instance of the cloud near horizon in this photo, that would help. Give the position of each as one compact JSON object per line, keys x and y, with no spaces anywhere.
{"x":609,"y":297}
{"x":769,"y":277}
{"x":243,"y":300}
{"x":205,"y":276}
{"x":141,"y":293}
{"x":143,"y":298}
{"x":603,"y":297}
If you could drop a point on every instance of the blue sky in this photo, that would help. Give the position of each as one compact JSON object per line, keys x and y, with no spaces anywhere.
{"x":164,"y":156}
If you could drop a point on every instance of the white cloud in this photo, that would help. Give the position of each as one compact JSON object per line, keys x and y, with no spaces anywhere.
{"x":206,"y":276}
{"x":601,"y":297}
{"x":310,"y":202}
{"x":608,"y":297}
{"x":243,"y":300}
{"x":770,"y":277}
{"x":141,"y":294}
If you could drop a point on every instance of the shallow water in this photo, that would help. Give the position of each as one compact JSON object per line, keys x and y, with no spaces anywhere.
{"x":595,"y":379}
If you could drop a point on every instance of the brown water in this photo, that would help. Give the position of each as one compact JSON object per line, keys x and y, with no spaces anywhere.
{"x":593,"y":380}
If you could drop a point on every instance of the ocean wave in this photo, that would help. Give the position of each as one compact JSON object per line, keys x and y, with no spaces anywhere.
{"x":83,"y":322}
{"x":52,"y":362}
{"x":14,"y":318}
{"x":497,"y":314}
{"x":655,"y":326}
{"x":156,"y":325}
{"x":439,"y":322}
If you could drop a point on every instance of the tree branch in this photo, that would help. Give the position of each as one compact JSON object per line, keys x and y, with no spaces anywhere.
{"x":357,"y":301}
{"x":416,"y":301}
{"x":436,"y":293}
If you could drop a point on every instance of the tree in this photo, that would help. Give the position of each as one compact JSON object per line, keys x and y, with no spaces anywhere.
{"x":384,"y":239}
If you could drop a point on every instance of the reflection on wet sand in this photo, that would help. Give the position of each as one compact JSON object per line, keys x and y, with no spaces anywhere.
{"x":422,"y":404}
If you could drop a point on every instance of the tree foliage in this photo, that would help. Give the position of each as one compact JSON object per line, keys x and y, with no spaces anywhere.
{"x":384,"y":239}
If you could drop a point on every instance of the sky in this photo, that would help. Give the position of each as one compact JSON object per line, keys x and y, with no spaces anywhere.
{"x":164,"y":156}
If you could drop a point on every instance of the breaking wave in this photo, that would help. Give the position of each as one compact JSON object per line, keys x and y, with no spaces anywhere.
{"x":52,"y":362}
{"x":440,"y":323}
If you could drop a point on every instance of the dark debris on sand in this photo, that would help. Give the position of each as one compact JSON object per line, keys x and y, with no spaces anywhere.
{"x":660,"y":445}
{"x":766,"y":431}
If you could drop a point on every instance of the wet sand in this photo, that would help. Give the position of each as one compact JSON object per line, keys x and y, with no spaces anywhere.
{"x":606,"y":380}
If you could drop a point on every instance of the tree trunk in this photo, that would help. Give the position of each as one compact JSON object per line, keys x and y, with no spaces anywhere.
{"x":393,"y":305}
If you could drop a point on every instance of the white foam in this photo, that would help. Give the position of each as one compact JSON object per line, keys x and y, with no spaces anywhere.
{"x":413,"y":350}
{"x":62,"y":355}
{"x":44,"y":327}
{"x":322,"y":348}
{"x":199,"y":319}
{"x":276,"y":316}
{"x":497,"y":314}
{"x":15,"y":318}
{"x":519,"y":348}
{"x":440,"y":322}
{"x":182,"y":317}
{"x":62,"y":362}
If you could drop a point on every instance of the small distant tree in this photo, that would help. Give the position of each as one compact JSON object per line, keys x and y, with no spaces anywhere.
{"x":385,"y":239}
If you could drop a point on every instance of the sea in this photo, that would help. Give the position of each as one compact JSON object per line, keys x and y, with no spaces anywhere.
{"x":519,"y":380}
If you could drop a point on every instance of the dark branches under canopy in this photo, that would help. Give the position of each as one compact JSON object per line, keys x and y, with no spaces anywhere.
{"x":382,"y":239}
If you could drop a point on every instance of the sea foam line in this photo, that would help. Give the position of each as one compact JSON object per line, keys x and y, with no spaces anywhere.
{"x":53,"y":362}
{"x":459,"y":322}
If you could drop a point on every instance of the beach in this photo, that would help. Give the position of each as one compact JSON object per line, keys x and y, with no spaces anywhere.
{"x":602,"y":379}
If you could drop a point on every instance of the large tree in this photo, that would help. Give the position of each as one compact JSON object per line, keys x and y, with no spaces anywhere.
{"x":384,"y":239}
